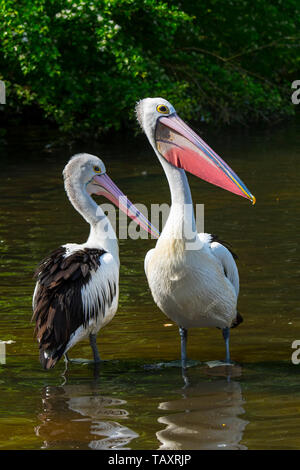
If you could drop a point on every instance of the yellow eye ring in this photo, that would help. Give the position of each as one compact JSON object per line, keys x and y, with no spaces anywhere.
{"x":163,"y":109}
{"x":97,"y":169}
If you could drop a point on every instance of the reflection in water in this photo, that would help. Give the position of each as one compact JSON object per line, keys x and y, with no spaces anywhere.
{"x":206,"y":417}
{"x":76,"y":416}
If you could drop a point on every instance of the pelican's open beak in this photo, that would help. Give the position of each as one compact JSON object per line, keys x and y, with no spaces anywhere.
{"x":183,"y":148}
{"x":111,"y":191}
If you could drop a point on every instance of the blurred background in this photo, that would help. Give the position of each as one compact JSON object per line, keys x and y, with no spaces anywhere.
{"x":83,"y":64}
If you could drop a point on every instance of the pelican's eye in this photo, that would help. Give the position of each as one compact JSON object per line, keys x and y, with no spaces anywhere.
{"x":97,"y":169}
{"x":163,"y":109}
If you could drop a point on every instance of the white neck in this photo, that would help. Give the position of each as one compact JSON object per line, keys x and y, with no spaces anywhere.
{"x":181,"y":215}
{"x":102,"y":234}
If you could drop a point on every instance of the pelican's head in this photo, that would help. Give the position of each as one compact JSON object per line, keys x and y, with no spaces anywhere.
{"x":85,"y":172}
{"x":176,"y":142}
{"x":82,"y":168}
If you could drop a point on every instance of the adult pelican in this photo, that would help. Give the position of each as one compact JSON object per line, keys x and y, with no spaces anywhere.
{"x":193,"y":277}
{"x":77,"y":286}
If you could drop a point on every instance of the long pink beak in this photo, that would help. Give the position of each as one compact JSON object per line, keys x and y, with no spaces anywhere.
{"x":183,"y":148}
{"x":114,"y":194}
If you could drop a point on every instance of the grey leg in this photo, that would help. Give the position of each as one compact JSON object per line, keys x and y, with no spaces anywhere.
{"x":93,"y":343}
{"x":226,"y":336}
{"x":183,"y":337}
{"x":185,"y":378}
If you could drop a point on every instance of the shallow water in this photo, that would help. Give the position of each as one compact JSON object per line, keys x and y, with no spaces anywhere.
{"x":132,"y":401}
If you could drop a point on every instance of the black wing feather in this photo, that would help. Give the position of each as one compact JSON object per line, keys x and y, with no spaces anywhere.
{"x":58,"y":309}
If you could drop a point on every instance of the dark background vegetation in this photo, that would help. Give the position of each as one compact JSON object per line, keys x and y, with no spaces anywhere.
{"x":83,"y":64}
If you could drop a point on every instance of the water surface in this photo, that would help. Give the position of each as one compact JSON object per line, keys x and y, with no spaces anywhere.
{"x":125,"y":404}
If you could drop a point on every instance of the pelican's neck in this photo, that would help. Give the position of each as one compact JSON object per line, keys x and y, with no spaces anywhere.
{"x":181,"y":215}
{"x":178,"y":183}
{"x":102,"y":234}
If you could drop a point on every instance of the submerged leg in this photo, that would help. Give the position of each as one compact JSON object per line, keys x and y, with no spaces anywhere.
{"x":93,"y":343}
{"x":183,"y":337}
{"x":66,"y":361}
{"x":226,"y":336}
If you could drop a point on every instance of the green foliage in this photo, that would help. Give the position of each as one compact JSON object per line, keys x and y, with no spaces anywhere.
{"x":85,"y":63}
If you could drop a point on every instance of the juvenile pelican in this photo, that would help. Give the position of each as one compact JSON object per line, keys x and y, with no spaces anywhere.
{"x":77,"y":286}
{"x":193,"y":277}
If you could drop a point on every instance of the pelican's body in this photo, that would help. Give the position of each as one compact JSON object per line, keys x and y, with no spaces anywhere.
{"x":75,"y":296}
{"x":190,"y":286}
{"x":77,"y":287}
{"x":193,"y":277}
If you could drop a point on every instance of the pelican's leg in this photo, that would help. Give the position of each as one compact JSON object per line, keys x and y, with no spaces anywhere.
{"x":183,"y":337}
{"x":93,"y":343}
{"x":226,"y":336}
{"x":66,"y":361}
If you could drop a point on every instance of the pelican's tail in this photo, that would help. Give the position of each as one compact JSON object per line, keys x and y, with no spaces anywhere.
{"x":48,"y":358}
{"x":237,"y":321}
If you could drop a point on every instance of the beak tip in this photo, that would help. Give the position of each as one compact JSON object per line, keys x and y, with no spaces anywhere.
{"x":253,"y":200}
